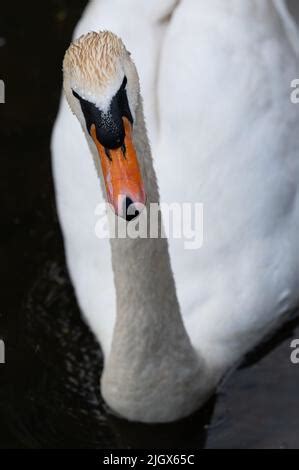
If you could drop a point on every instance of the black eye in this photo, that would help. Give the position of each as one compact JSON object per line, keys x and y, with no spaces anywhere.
{"x":109,"y":124}
{"x":76,"y":95}
{"x":121,"y":101}
{"x":123,"y":85}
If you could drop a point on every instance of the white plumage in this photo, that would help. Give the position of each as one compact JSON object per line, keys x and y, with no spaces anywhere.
{"x":215,"y":78}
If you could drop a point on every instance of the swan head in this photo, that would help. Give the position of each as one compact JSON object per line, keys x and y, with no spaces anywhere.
{"x":101,"y":85}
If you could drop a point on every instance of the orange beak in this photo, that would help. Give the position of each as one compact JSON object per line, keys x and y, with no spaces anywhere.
{"x":122,"y":175}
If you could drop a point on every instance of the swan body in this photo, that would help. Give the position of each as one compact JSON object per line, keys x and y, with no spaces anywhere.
{"x":242,"y":165}
{"x":217,"y":93}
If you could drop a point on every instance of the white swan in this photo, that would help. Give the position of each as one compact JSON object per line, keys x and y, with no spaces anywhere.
{"x":235,"y":149}
{"x":76,"y":184}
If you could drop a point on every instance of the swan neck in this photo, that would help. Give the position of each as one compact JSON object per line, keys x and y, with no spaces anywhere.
{"x":152,"y":373}
{"x":144,"y":282}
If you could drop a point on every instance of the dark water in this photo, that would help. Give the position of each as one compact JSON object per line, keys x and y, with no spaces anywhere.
{"x":49,"y":386}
